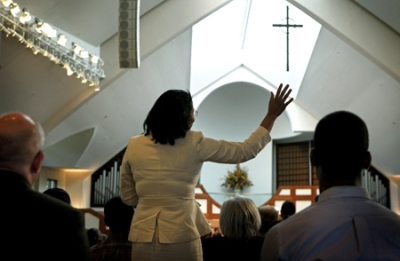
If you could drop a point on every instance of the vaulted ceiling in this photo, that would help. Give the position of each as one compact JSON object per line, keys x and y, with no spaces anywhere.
{"x":354,"y":65}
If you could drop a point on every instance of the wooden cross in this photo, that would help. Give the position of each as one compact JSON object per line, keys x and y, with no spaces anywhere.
{"x":287,"y":25}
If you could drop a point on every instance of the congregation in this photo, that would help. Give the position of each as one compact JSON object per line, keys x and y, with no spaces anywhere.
{"x":152,"y":222}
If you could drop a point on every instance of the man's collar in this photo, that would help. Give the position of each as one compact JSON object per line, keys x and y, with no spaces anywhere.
{"x":11,"y":176}
{"x":343,"y":192}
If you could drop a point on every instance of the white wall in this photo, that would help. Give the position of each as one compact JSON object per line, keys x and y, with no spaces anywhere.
{"x":232,"y":112}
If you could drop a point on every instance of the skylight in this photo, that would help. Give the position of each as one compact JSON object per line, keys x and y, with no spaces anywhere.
{"x":219,"y":49}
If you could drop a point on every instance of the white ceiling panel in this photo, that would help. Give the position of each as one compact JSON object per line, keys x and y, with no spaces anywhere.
{"x":386,"y":10}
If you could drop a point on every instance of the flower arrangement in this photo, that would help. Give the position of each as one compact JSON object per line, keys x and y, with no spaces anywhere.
{"x":237,"y":179}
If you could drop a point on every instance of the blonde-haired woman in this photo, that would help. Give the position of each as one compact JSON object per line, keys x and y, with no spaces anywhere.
{"x":239,"y":223}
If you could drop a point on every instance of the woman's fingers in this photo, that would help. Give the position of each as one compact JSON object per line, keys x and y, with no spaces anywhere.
{"x":287,"y":94}
{"x":283,"y":94}
{"x":280,"y":99}
{"x":278,"y":92}
{"x":288,"y":102}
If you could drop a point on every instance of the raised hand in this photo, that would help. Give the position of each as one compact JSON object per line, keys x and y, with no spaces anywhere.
{"x":277,"y":104}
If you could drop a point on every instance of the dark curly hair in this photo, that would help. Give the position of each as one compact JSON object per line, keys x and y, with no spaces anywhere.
{"x":168,"y":120}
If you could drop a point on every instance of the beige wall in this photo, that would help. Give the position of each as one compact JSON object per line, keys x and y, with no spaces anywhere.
{"x":50,"y":173}
{"x":395,"y":193}
{"x":75,"y":181}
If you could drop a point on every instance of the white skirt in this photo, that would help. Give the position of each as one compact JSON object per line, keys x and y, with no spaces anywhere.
{"x":156,"y":251}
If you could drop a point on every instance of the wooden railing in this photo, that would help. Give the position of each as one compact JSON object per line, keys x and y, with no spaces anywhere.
{"x":90,"y":214}
{"x":208,"y":205}
{"x":105,"y":185}
{"x":302,"y":196}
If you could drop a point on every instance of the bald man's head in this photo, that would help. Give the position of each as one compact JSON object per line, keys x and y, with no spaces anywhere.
{"x":21,"y":139}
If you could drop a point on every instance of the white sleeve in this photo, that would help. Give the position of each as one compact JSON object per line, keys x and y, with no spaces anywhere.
{"x":222,"y":151}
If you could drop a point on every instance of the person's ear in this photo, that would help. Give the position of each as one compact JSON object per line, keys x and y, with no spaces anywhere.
{"x":367,"y":160}
{"x":37,"y":163}
{"x":313,"y":157}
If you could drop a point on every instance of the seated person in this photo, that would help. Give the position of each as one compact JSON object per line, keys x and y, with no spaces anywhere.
{"x":216,"y":232}
{"x":268,"y":215}
{"x":58,"y":193}
{"x":239,"y":224}
{"x":116,"y":247}
{"x":54,"y":230}
{"x":94,"y":236}
{"x":288,"y":209}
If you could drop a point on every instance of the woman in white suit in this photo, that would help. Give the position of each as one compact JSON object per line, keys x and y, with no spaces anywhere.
{"x":161,"y":168}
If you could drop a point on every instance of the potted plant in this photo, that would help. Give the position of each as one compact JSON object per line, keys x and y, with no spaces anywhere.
{"x":237,"y":179}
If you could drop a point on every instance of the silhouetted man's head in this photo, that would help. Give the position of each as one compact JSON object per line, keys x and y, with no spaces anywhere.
{"x":340,"y":148}
{"x":288,"y":209}
{"x":117,"y":215}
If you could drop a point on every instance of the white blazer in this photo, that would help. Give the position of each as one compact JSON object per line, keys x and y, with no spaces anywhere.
{"x":160,"y":181}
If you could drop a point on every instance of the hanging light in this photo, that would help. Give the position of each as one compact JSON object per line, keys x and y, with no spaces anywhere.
{"x":29,"y":43}
{"x":76,"y":48}
{"x":25,"y":16}
{"x":56,"y":57}
{"x":45,"y":28}
{"x":38,"y":25}
{"x":14,"y":9}
{"x":46,"y":53}
{"x":41,"y":37}
{"x":51,"y":32}
{"x":35,"y":50}
{"x":67,"y":66}
{"x":96,"y":84}
{"x":94,"y":58}
{"x":62,"y":40}
{"x":79,"y":71}
{"x":84,"y":54}
{"x":6,"y":3}
{"x":84,"y":80}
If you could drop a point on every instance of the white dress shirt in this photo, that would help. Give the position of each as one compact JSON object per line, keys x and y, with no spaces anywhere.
{"x":161,"y":179}
{"x":345,"y":224}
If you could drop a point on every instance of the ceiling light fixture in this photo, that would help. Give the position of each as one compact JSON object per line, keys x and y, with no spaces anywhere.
{"x":6,"y":3}
{"x":14,"y":9}
{"x":62,"y":40}
{"x":25,"y":16}
{"x":42,"y":38}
